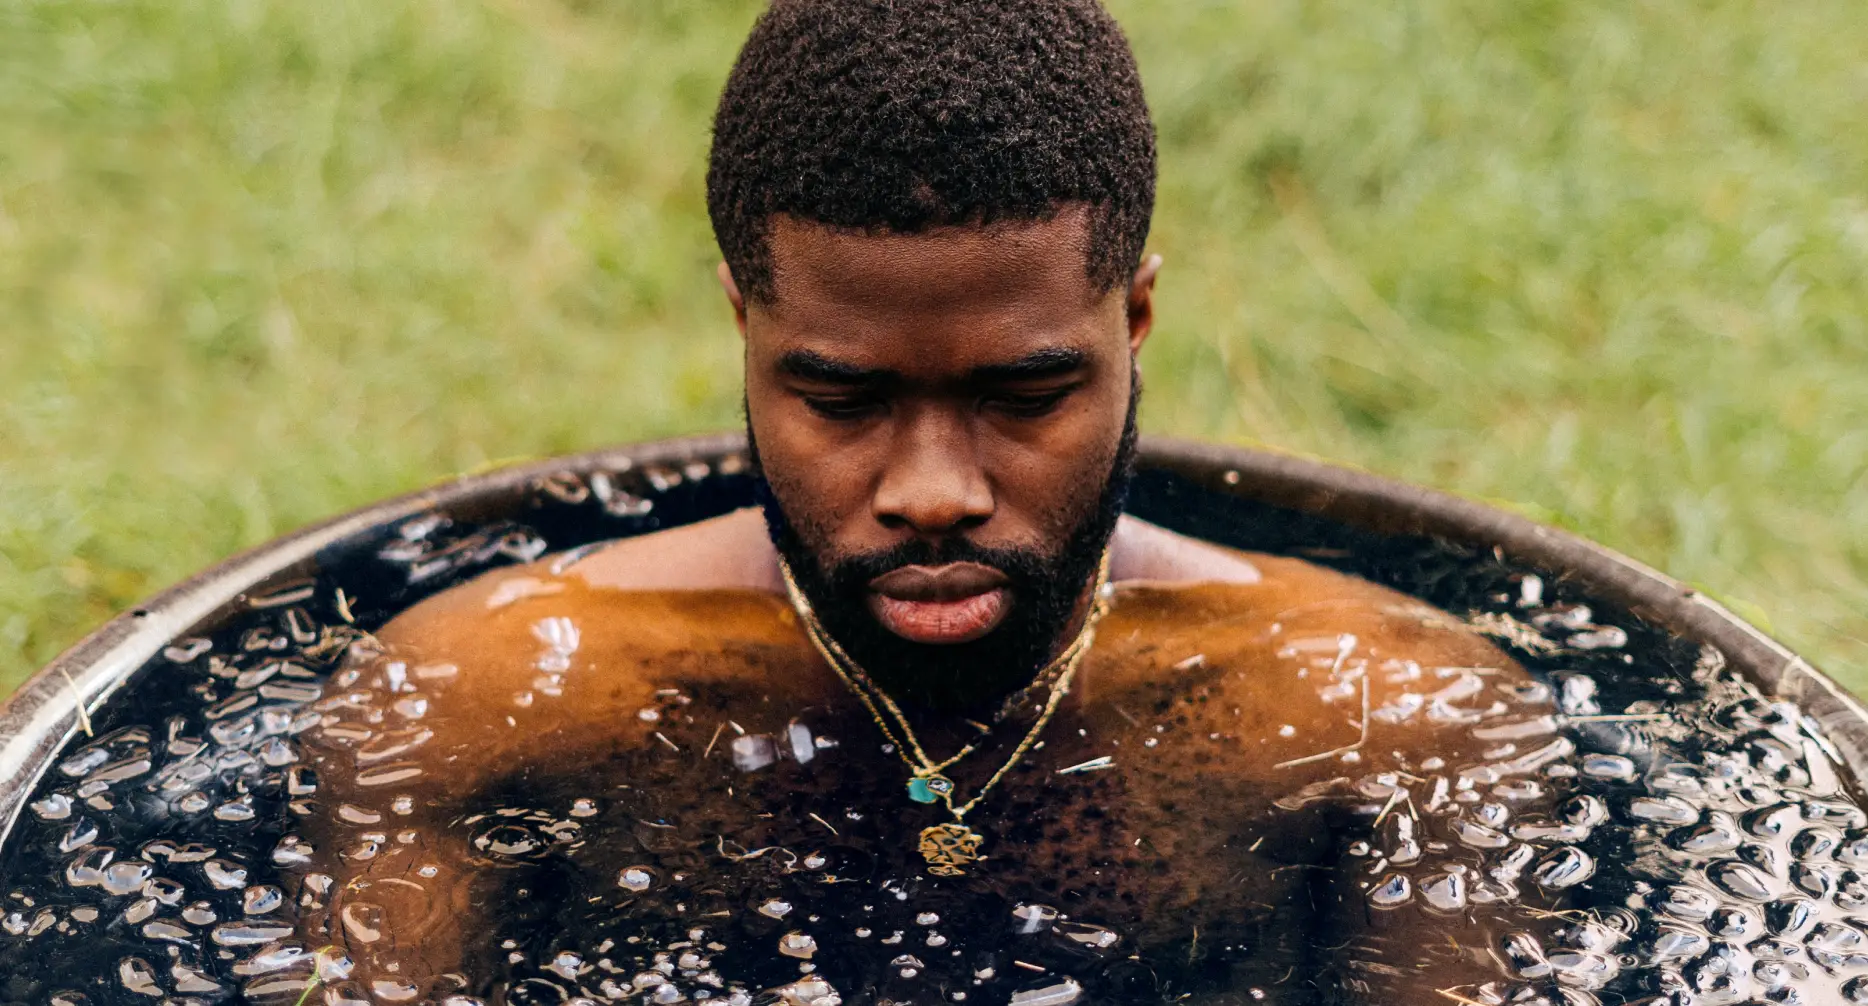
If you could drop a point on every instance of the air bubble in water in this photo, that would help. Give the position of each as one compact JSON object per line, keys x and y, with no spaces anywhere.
{"x":1577,"y":696}
{"x":1563,"y":867}
{"x":189,"y":979}
{"x":224,"y":876}
{"x":1524,"y":955}
{"x":797,"y":944}
{"x":52,"y":807}
{"x":363,"y":921}
{"x":1770,"y":822}
{"x":253,"y":933}
{"x":276,"y":957}
{"x":1716,"y":836}
{"x":261,"y":898}
{"x":394,"y":990}
{"x":292,"y":851}
{"x":78,"y":835}
{"x":1607,"y":637}
{"x":1060,"y":994}
{"x":1735,"y":923}
{"x":1662,"y":810}
{"x":164,"y":929}
{"x":83,"y":763}
{"x":806,"y":992}
{"x":187,"y":649}
{"x":802,"y":747}
{"x":1613,"y":767}
{"x":127,"y":877}
{"x":1081,"y":934}
{"x":87,"y":870}
{"x":1816,"y":843}
{"x":753,"y":752}
{"x":1678,"y":942}
{"x":1394,"y":889}
{"x":137,"y":976}
{"x":1518,"y":790}
{"x":1583,"y":969}
{"x":1034,"y":918}
{"x":1742,"y":880}
{"x":1444,"y":891}
{"x":1478,"y":836}
{"x":388,"y":775}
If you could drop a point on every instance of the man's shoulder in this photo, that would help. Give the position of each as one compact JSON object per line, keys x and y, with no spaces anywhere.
{"x":1147,"y":552}
{"x":728,"y":552}
{"x":625,"y":605}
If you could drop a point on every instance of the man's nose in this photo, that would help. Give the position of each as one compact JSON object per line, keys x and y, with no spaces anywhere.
{"x":933,"y":483}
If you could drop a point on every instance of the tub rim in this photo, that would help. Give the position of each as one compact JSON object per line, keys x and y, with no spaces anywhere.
{"x":42,"y":715}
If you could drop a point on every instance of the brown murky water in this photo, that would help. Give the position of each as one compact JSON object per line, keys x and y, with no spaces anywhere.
{"x":1310,"y":790}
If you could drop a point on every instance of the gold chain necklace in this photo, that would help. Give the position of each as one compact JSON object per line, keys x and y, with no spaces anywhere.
{"x":951,"y":846}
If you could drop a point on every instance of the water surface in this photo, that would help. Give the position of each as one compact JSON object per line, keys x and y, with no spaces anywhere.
{"x":270,"y":812}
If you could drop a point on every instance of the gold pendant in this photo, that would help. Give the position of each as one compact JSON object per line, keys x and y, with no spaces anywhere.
{"x":949,"y":848}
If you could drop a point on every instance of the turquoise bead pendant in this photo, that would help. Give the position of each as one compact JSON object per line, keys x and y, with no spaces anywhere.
{"x":929,"y":789}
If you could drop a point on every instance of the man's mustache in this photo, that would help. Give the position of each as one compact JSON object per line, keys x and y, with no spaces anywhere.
{"x":854,"y":572}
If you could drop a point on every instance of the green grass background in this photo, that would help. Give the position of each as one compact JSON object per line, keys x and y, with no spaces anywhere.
{"x":261,"y":262}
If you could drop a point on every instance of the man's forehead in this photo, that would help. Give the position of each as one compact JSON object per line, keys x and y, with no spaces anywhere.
{"x":950,"y":303}
{"x":944,"y":268}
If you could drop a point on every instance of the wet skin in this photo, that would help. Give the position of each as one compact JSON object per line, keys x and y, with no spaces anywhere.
{"x":966,"y":382}
{"x":1202,"y":695}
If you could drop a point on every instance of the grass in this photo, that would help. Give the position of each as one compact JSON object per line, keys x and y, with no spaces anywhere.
{"x":1604,"y":260}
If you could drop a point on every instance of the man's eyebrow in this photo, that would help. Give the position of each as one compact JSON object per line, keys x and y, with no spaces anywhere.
{"x":1049,"y":362}
{"x":808,"y":366}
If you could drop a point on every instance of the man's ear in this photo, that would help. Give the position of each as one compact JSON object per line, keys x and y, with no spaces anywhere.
{"x":734,"y":297}
{"x":1141,"y":303}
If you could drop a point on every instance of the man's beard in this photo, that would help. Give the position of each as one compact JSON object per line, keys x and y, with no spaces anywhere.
{"x":1046,"y":591}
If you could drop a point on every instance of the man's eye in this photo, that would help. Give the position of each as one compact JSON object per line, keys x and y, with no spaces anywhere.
{"x":1028,"y":405}
{"x":842,"y":406}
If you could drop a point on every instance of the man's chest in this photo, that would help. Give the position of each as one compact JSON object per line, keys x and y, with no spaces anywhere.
{"x":776,"y":846}
{"x":734,"y":820}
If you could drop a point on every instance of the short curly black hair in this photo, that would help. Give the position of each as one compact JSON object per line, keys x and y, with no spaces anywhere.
{"x":901,"y":115}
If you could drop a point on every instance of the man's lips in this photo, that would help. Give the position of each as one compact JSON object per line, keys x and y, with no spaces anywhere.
{"x":952,"y":603}
{"x":949,"y":582}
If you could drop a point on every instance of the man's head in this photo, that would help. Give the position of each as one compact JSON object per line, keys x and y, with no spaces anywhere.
{"x":933,"y":215}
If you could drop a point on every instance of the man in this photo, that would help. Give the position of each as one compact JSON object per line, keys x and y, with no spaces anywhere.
{"x":885,"y":738}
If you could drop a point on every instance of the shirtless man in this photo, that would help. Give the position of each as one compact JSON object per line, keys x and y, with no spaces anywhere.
{"x":632,"y":775}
